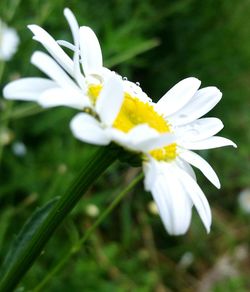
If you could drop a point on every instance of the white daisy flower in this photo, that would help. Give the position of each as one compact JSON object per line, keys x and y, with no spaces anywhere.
{"x":165,"y":133}
{"x":9,"y":41}
{"x":116,"y":110}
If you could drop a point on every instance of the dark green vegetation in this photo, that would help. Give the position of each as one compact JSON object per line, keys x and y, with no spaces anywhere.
{"x":131,"y":251}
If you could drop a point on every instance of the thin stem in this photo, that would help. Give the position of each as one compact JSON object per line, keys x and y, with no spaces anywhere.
{"x":2,"y":65}
{"x":77,"y":246}
{"x":4,"y":127}
{"x":23,"y":112}
{"x":95,"y":165}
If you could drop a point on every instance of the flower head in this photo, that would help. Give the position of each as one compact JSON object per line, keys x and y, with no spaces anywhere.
{"x":9,"y":41}
{"x":163,"y":134}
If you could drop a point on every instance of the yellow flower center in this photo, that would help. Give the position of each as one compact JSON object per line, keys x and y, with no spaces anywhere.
{"x":166,"y":153}
{"x":134,"y":112}
{"x":94,"y":91}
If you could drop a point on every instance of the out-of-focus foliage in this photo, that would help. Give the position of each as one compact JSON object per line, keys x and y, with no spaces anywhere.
{"x":156,"y":43}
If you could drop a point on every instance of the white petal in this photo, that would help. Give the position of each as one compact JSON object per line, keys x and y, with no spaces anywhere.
{"x":141,"y":138}
{"x":172,"y":201}
{"x":105,"y":74}
{"x":197,"y":196}
{"x":72,"y":23}
{"x":91,"y":53}
{"x":199,"y":129}
{"x":178,"y":96}
{"x":197,"y":161}
{"x":210,"y":143}
{"x":145,"y":138}
{"x":66,"y":44}
{"x":52,"y":47}
{"x":110,"y":100}
{"x":27,"y":88}
{"x":151,"y":172}
{"x":52,"y":69}
{"x":202,"y":102}
{"x":61,"y":97}
{"x":122,"y":139}
{"x":135,"y":90}
{"x":75,"y":32}
{"x":87,"y":129}
{"x":186,"y":167}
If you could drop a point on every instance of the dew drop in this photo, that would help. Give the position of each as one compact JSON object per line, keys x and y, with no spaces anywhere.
{"x":137,"y":83}
{"x":125,"y":78}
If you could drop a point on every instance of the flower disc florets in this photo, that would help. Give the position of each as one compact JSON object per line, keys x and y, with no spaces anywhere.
{"x":134,"y":112}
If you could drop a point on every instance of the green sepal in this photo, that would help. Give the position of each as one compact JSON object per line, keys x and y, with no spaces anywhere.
{"x":132,"y":158}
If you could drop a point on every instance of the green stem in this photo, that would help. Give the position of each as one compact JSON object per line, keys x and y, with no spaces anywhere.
{"x":23,"y":112}
{"x":77,"y":246}
{"x":95,"y":165}
{"x":2,"y":65}
{"x":4,"y":127}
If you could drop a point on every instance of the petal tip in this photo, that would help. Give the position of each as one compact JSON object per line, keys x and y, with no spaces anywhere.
{"x":216,"y":92}
{"x":219,"y":93}
{"x":231,"y":143}
{"x":66,"y":10}
{"x":6,"y":93}
{"x":32,"y":27}
{"x":217,"y":183}
{"x":195,"y":80}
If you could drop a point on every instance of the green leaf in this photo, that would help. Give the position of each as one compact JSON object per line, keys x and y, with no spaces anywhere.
{"x":4,"y":219}
{"x":37,"y":232}
{"x":26,"y":234}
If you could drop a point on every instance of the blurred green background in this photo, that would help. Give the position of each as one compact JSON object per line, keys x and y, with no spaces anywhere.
{"x":156,"y":43}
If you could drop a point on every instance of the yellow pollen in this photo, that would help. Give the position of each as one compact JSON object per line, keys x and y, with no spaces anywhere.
{"x":166,"y":153}
{"x":94,"y":91}
{"x":134,"y":112}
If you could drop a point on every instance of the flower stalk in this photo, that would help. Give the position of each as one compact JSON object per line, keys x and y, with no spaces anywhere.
{"x":94,"y":166}
{"x":78,"y":245}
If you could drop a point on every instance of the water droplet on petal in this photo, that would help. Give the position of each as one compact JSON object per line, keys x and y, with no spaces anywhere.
{"x":137,"y":83}
{"x":125,"y":78}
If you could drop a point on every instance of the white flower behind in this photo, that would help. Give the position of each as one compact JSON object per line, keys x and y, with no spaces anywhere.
{"x":163,"y":134}
{"x":244,"y":200}
{"x":9,"y":41}
{"x":65,"y":85}
{"x":70,"y":82}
